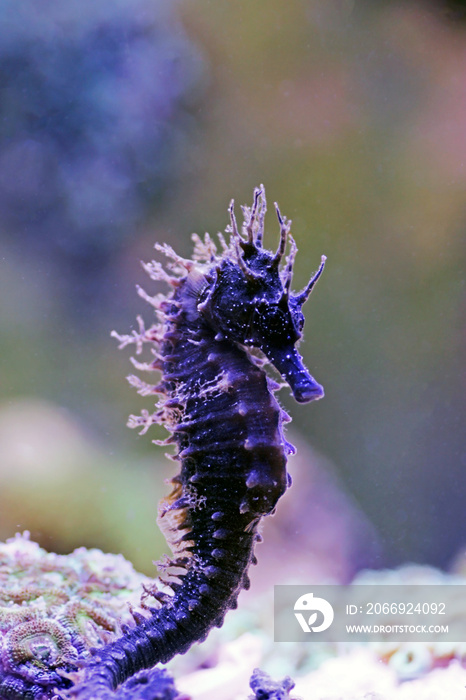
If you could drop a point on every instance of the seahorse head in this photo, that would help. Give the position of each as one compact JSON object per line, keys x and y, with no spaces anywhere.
{"x":250,"y":300}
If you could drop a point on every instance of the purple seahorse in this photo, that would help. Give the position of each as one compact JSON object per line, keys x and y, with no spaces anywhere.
{"x":219,"y":407}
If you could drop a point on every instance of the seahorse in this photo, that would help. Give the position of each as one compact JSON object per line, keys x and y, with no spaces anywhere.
{"x":218,"y":404}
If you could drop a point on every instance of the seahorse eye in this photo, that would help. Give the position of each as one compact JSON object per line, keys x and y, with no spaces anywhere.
{"x":274,"y":318}
{"x":270,"y":321}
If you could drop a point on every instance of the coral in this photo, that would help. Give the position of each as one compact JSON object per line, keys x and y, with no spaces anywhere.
{"x":267,"y":689}
{"x":154,"y":684}
{"x":54,"y":609}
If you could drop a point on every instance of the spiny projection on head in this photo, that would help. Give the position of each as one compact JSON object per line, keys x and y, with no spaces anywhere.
{"x":219,"y":407}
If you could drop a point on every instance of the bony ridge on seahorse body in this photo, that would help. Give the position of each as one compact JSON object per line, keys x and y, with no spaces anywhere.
{"x":218,"y":405}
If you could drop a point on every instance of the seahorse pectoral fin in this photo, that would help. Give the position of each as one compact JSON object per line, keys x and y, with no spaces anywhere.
{"x":290,"y":365}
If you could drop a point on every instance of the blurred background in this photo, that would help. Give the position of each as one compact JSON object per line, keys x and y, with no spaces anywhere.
{"x":127,"y":122}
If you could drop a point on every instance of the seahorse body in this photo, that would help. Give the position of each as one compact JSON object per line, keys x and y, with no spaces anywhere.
{"x":219,"y":406}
